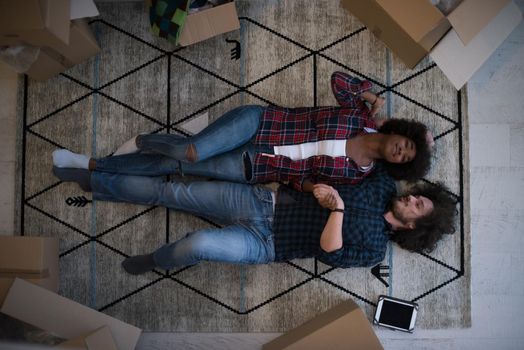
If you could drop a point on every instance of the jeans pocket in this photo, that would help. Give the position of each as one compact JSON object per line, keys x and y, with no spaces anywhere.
{"x":263,"y":194}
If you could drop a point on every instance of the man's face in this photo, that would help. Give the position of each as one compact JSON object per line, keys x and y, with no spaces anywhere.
{"x":408,"y":209}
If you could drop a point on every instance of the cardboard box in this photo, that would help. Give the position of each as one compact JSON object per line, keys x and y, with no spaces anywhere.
{"x":47,"y":65}
{"x":82,"y":43}
{"x":205,"y":24}
{"x":459,"y":61}
{"x":97,"y":340}
{"x":47,"y":24}
{"x":32,"y":258}
{"x":65,"y":318}
{"x":410,"y":28}
{"x":35,"y":21}
{"x":51,"y":62}
{"x":408,"y":35}
{"x":344,"y":327}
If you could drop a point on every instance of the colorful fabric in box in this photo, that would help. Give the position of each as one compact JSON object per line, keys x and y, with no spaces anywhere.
{"x":167,"y":18}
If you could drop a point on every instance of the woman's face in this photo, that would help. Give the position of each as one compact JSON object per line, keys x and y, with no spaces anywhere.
{"x":399,"y":149}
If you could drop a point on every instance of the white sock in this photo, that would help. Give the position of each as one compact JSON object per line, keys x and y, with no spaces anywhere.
{"x":63,"y":158}
{"x":128,"y":147}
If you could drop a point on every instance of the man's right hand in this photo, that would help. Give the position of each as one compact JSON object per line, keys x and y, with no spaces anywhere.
{"x":327,"y":196}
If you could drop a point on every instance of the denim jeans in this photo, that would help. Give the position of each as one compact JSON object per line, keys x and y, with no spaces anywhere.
{"x":246,"y":212}
{"x":222,"y":150}
{"x":232,"y":130}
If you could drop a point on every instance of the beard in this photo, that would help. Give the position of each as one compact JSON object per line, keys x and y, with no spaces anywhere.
{"x":396,"y":210}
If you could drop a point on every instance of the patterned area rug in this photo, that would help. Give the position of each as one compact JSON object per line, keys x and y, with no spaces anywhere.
{"x":288,"y":50}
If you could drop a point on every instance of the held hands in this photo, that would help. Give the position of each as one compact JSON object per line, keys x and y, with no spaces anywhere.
{"x":327,"y":196}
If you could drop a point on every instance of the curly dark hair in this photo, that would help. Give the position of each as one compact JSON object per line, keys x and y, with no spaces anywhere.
{"x":415,"y":131}
{"x":432,"y":227}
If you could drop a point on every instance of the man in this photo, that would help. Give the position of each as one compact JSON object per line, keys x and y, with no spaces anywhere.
{"x":344,"y":226}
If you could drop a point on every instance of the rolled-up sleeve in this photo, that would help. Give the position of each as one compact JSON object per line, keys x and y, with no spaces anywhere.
{"x":351,"y":256}
{"x":347,"y":89}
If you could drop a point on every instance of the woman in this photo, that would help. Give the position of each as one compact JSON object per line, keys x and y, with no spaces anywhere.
{"x":302,"y":146}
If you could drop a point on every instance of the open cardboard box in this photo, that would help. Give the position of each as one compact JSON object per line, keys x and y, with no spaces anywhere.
{"x":33,"y":258}
{"x":65,"y":318}
{"x":412,"y":28}
{"x":208,"y":23}
{"x":344,"y":327}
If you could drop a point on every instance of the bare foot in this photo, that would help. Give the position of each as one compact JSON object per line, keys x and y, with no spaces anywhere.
{"x":377,"y":105}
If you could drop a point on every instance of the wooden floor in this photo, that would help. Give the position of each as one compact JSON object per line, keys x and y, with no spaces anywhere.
{"x":8,"y":84}
{"x":496,"y":112}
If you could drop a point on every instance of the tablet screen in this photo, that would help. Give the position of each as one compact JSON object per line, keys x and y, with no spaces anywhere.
{"x":395,"y":314}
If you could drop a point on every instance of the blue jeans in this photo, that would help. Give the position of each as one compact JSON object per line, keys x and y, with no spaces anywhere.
{"x":223,"y":150}
{"x":245,"y":210}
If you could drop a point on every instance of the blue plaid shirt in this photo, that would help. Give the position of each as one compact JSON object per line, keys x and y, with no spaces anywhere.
{"x":300,"y":220}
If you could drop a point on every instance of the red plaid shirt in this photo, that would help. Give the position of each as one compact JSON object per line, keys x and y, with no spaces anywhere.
{"x":292,"y":126}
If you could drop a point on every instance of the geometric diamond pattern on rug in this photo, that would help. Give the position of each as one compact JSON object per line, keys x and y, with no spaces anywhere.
{"x":269,"y":88}
{"x":144,"y":90}
{"x":139,"y":84}
{"x":53,"y":96}
{"x":204,"y":90}
{"x":113,"y":116}
{"x":371,"y":60}
{"x":123,"y":54}
{"x":207,"y":61}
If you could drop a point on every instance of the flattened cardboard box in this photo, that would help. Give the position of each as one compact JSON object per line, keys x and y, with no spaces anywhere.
{"x":459,"y":62}
{"x":205,"y":24}
{"x":100,"y":339}
{"x":32,"y":258}
{"x":65,"y":318}
{"x":410,"y":36}
{"x":35,"y":21}
{"x":344,"y":327}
